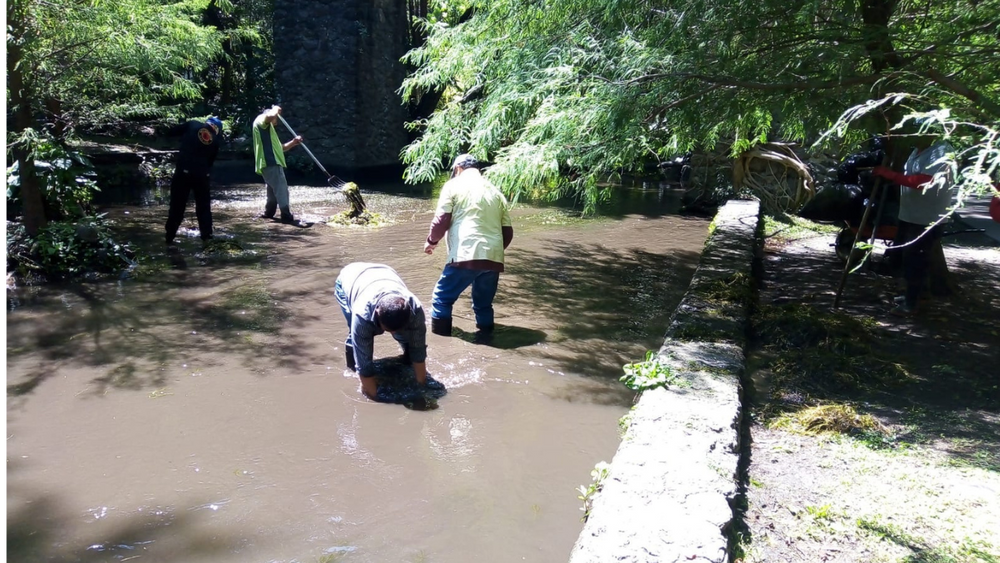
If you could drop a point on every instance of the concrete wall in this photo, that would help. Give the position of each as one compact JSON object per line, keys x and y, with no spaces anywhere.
{"x":336,"y":76}
{"x":667,"y":497}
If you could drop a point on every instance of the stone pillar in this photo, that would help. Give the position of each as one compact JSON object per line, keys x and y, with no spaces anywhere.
{"x":336,"y":77}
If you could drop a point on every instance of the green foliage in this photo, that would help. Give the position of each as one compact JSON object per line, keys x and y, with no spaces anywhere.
{"x":648,"y":374}
{"x":626,"y":421}
{"x":819,"y":512}
{"x":67,"y":249}
{"x":66,"y":177}
{"x":588,"y":492}
{"x":105,"y":61}
{"x":564,"y":94}
{"x":240,"y":81}
{"x":972,"y":169}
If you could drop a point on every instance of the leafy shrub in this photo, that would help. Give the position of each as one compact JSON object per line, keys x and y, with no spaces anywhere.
{"x":66,"y":249}
{"x":648,"y":374}
{"x":66,"y":178}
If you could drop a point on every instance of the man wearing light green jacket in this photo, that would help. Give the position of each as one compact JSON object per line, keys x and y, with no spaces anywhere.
{"x":475,"y":217}
{"x":269,"y":157}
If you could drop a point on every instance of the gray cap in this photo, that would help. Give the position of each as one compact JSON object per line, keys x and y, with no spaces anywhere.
{"x":465,"y":161}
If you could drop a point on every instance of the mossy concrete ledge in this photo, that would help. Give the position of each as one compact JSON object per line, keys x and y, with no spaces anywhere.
{"x":668,"y":496}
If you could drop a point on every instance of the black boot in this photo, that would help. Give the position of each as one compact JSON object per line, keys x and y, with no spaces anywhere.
{"x":349,"y":354}
{"x":286,"y":216}
{"x":484,"y":334}
{"x":269,"y":210}
{"x":441,"y":327}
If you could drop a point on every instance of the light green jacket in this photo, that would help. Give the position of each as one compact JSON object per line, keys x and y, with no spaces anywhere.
{"x":269,"y":152}
{"x":479,"y":211}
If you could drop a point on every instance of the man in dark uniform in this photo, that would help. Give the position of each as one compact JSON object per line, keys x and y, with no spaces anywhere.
{"x":199,"y":146}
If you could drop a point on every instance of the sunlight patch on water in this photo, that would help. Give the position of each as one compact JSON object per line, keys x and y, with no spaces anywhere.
{"x":213,"y":506}
{"x":456,"y":444}
{"x":465,"y":372}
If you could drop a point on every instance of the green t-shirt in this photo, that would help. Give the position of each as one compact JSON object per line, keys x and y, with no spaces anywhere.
{"x":267,"y":153}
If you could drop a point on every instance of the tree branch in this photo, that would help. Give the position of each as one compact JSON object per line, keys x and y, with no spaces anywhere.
{"x":719,"y":81}
{"x":963,"y":90}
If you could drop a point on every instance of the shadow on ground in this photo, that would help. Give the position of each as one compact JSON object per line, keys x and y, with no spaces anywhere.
{"x":932,"y":378}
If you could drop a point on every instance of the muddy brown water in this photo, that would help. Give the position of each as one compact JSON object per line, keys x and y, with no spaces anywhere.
{"x":202,"y":413}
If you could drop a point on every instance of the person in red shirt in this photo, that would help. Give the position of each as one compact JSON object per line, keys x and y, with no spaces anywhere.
{"x":925,"y":197}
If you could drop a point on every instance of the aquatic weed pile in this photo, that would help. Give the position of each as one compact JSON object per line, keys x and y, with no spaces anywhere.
{"x":366,"y":219}
{"x":816,"y":354}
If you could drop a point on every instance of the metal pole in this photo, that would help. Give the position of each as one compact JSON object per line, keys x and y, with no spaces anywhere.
{"x":857,"y":237}
{"x":330,"y":177}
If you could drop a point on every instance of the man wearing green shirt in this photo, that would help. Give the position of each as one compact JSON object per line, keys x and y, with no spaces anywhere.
{"x":269,"y":156}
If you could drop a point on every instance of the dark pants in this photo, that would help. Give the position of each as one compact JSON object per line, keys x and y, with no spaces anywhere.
{"x":916,"y":257}
{"x":181,"y":186}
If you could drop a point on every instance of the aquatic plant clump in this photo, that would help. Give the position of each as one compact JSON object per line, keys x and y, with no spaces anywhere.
{"x":366,"y":219}
{"x":357,"y":214}
{"x":68,"y":249}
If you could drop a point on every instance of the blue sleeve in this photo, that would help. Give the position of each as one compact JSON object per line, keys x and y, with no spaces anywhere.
{"x":363,"y":338}
{"x":416,"y":337}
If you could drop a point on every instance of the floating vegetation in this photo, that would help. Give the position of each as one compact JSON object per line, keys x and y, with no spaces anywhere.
{"x":225,"y":247}
{"x":365,"y":219}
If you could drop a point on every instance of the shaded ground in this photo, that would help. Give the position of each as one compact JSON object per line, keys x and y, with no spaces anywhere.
{"x":916,"y":476}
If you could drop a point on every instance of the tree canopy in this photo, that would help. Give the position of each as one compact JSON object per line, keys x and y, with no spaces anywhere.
{"x":562,"y":94}
{"x":72,"y":63}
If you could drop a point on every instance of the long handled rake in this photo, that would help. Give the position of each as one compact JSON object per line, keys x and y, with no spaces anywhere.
{"x":334,"y":181}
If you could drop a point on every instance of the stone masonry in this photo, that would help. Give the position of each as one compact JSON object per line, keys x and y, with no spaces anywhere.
{"x":336,"y":77}
{"x":671,"y":484}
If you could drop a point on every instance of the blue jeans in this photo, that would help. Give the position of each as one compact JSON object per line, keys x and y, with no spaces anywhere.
{"x":453,"y":282}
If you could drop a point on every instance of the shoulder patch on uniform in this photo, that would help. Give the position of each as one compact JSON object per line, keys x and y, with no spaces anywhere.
{"x":205,"y":136}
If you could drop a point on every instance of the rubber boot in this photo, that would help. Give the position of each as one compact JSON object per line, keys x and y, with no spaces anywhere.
{"x":349,"y":354}
{"x":269,"y":210}
{"x":286,"y":216}
{"x":484,"y":334}
{"x":441,"y":327}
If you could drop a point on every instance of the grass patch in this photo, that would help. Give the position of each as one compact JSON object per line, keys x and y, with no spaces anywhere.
{"x":786,"y":228}
{"x":967,"y":551}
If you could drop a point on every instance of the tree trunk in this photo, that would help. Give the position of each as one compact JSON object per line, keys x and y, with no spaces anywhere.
{"x":19,"y":90}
